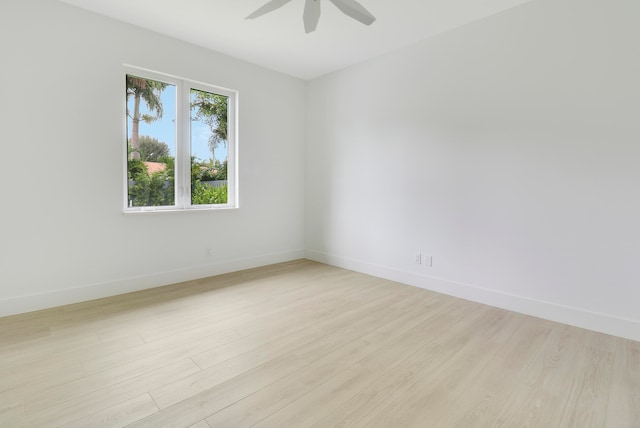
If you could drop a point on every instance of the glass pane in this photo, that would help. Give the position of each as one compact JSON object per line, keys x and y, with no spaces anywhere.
{"x":209,"y":156}
{"x":151,"y":142}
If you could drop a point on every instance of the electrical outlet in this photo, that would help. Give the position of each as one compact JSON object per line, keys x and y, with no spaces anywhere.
{"x":208,"y":252}
{"x":427,"y":260}
{"x":418,"y":259}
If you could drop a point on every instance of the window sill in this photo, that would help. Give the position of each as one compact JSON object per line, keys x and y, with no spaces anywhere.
{"x":208,"y":208}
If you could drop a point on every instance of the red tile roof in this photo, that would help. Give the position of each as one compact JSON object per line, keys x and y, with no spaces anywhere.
{"x":154,"y":167}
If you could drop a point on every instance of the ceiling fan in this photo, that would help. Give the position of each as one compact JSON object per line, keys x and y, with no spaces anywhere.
{"x":311,"y":14}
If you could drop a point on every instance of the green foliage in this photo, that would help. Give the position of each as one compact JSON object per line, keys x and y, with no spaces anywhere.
{"x":208,"y":171}
{"x":150,"y":91}
{"x":212,"y":110}
{"x":170,"y":162}
{"x":151,"y":190}
{"x":151,"y":149}
{"x":203,"y":194}
{"x":148,"y":190}
{"x":158,"y":189}
{"x":135,"y":167}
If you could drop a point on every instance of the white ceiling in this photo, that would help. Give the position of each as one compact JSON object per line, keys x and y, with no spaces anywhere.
{"x":278,"y":41}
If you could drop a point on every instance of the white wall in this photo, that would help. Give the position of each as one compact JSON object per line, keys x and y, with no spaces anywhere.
{"x":508,"y":149}
{"x":63,"y":236}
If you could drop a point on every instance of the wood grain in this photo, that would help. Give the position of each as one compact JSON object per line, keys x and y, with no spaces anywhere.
{"x":302,"y":344}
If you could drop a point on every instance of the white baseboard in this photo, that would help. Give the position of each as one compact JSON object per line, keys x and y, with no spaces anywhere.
{"x":577,"y":317}
{"x":34,"y":302}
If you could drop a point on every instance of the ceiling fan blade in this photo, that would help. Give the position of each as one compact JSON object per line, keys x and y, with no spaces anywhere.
{"x":311,"y":15}
{"x":355,"y":10}
{"x":268,"y":7}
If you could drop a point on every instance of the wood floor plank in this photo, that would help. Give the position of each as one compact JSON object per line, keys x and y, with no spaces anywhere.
{"x":206,"y":331}
{"x":42,"y":366}
{"x":56,"y":396}
{"x":380,"y":346}
{"x":27,"y":382}
{"x":117,"y":416}
{"x":319,"y":320}
{"x":118,"y":314}
{"x":486,"y":390}
{"x":268,"y":365}
{"x":205,"y":403}
{"x":379,"y":376}
{"x":550,"y":368}
{"x":263,"y":303}
{"x":304,"y":344}
{"x":624,"y":401}
{"x":587,"y":396}
{"x":219,"y":308}
{"x":68,"y":409}
{"x":464,"y":346}
{"x":203,"y":339}
{"x":11,"y":413}
{"x":201,"y":424}
{"x":42,"y":347}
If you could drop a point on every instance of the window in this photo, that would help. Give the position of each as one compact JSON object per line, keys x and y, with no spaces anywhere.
{"x":181,"y":144}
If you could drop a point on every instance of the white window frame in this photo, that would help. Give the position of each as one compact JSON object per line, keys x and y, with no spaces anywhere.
{"x":183,"y":143}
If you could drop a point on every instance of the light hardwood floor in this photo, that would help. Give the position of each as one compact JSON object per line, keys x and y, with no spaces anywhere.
{"x":302,"y":344}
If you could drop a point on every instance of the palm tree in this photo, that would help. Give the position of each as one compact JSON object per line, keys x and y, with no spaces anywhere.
{"x":149,"y":91}
{"x":212,"y":110}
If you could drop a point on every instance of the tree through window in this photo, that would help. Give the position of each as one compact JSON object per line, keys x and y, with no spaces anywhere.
{"x":180,"y":144}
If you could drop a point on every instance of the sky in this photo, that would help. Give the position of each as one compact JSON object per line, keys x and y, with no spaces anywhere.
{"x":164,"y":128}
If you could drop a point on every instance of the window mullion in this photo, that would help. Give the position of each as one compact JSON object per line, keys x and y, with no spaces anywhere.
{"x":232,"y":128}
{"x":184,"y":146}
{"x":163,"y":183}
